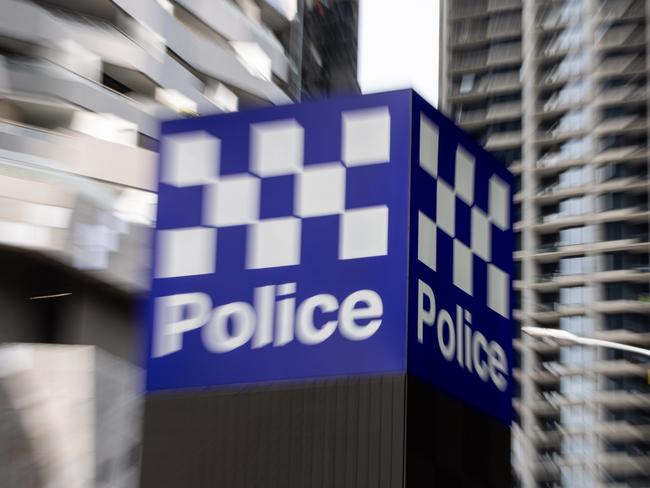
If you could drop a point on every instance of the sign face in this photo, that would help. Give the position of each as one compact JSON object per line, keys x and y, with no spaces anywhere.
{"x":366,"y":235}
{"x":280,"y":247}
{"x":461,"y":244}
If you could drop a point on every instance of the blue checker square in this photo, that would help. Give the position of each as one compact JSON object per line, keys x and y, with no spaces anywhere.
{"x":463,"y":214}
{"x":356,"y":236}
{"x":276,"y":196}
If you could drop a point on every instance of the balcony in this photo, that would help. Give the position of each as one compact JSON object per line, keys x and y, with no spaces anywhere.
{"x":82,"y":155}
{"x":622,"y":95}
{"x":620,"y":153}
{"x":504,"y":26}
{"x":489,"y":84}
{"x":471,"y":117}
{"x":640,"y":304}
{"x":495,"y":112}
{"x":627,"y":123}
{"x":507,"y":53}
{"x":622,"y":36}
{"x":545,"y":438}
{"x":624,"y":64}
{"x":624,"y":336}
{"x":555,"y":192}
{"x":552,"y":281}
{"x":469,"y":61}
{"x":558,"y":75}
{"x":501,"y":5}
{"x":555,"y":19}
{"x":619,"y":367}
{"x":469,"y":33}
{"x":622,"y":463}
{"x":621,"y":430}
{"x":613,"y":10}
{"x":468,"y":8}
{"x":503,"y":140}
{"x":555,"y":221}
{"x":640,"y":274}
{"x":504,"y":110}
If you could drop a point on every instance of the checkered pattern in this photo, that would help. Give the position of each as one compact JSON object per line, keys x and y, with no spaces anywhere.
{"x":455,"y":205}
{"x":276,"y":150}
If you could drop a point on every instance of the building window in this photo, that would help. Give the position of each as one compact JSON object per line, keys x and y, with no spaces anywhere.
{"x":575,"y":235}
{"x":575,"y":206}
{"x":574,"y":295}
{"x":577,"y":324}
{"x":573,"y":266}
{"x":467,"y":83}
{"x":577,"y":355}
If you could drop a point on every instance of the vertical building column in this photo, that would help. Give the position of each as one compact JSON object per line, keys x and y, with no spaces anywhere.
{"x":528,"y":238}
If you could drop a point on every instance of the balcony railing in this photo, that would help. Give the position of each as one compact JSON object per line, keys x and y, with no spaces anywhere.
{"x":621,"y":9}
{"x":622,"y":35}
{"x":625,"y":93}
{"x":469,"y":33}
{"x":461,"y":9}
{"x":489,"y":83}
{"x":471,"y":116}
{"x":505,"y":25}
{"x":623,"y":64}
{"x":496,"y":5}
{"x":504,"y":53}
{"x":544,"y":248}
{"x":469,"y":61}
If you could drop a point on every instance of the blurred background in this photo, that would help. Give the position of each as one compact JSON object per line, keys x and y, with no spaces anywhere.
{"x":557,"y":89}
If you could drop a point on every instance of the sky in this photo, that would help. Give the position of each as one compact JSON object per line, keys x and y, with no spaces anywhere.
{"x":398,"y":46}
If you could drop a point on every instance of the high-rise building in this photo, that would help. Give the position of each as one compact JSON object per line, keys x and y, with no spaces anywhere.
{"x":329,"y":50}
{"x":559,"y":91}
{"x":83,"y":86}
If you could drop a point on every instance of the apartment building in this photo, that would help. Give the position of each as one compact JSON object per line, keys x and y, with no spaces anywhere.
{"x":83,"y":86}
{"x":558,"y":90}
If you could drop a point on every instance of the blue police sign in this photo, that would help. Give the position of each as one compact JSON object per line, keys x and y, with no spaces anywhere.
{"x":328,"y":239}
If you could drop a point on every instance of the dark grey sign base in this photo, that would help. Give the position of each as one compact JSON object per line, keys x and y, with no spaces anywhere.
{"x":370,"y":432}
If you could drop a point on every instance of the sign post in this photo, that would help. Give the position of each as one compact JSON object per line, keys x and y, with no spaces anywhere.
{"x":331,"y":301}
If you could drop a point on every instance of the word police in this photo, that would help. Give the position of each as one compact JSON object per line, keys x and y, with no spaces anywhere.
{"x":272,"y":320}
{"x":456,"y":339}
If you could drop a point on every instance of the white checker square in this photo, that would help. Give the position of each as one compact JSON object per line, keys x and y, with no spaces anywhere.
{"x":445,"y":208}
{"x":232,"y":200}
{"x":320,"y":190}
{"x":276,"y":148}
{"x":428,"y":146}
{"x":363,"y":233}
{"x":186,"y":252}
{"x":273,"y":243}
{"x":481,"y":234}
{"x":366,"y":136}
{"x":427,"y":251}
{"x":499,"y":203}
{"x":190,"y":158}
{"x":465,"y":175}
{"x":498,"y":291}
{"x":463,"y":266}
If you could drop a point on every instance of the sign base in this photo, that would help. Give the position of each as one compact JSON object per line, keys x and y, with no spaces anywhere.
{"x":371,"y":431}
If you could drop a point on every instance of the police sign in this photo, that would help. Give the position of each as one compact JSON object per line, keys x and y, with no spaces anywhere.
{"x":364,"y":235}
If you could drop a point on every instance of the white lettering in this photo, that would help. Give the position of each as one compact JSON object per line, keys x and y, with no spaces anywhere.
{"x":170,"y":324}
{"x":425,"y":316}
{"x":498,"y":365}
{"x":264,"y":299}
{"x":306,"y":332}
{"x":285,"y":313}
{"x":447,"y":349}
{"x":231,"y":325}
{"x":458,"y":342}
{"x":241,"y":316}
{"x":350,"y":313}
